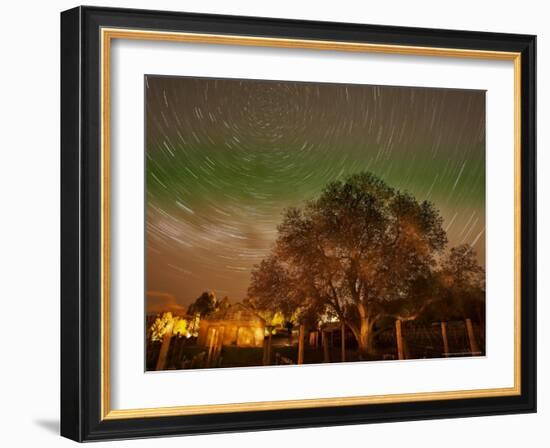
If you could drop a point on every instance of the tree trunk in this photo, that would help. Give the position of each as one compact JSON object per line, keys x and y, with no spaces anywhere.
{"x":363,"y":333}
{"x":366,"y":340}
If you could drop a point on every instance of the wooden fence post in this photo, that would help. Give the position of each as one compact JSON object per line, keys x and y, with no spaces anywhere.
{"x":445,"y":340}
{"x":269,"y":344}
{"x":264,"y":356}
{"x":211,"y":345}
{"x":313,"y":338}
{"x":177,"y":350}
{"x":324,"y":342}
{"x":301,"y":345}
{"x":219,"y":343}
{"x":399,"y":340}
{"x":343,"y":342}
{"x":267,"y":348}
{"x":165,"y":347}
{"x":474,"y":348}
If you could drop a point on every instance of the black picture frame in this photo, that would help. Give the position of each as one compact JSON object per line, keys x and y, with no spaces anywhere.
{"x":81,"y":382}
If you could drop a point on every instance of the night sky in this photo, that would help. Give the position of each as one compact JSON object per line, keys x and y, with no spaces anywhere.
{"x":225,"y":157}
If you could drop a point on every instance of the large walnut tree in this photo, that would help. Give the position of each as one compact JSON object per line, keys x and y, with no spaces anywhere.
{"x":360,"y":251}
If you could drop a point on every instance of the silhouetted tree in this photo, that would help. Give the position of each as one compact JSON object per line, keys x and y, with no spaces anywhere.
{"x":460,"y":291}
{"x":359,"y":251}
{"x":461,"y":268}
{"x":204,"y":305}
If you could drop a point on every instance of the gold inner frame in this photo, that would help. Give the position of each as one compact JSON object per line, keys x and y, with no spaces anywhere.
{"x":107,"y":35}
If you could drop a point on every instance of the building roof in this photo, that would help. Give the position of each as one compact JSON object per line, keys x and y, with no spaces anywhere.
{"x":236,"y":311}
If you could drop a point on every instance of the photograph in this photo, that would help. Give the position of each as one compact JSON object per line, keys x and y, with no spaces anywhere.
{"x":278,"y":220}
{"x":291,"y":223}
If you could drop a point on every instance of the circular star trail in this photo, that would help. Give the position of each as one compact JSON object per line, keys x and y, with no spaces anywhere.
{"x":225,"y":157}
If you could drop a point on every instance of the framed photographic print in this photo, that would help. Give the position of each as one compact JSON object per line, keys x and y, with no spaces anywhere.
{"x":275,"y":224}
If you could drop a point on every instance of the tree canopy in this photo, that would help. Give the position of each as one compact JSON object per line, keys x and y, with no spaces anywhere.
{"x":360,"y":251}
{"x":458,"y":288}
{"x":204,"y":305}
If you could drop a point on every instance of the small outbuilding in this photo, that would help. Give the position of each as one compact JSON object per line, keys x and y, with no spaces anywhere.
{"x":235,"y":325}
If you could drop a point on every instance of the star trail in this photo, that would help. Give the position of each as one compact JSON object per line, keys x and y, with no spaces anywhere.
{"x":225,"y":157}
